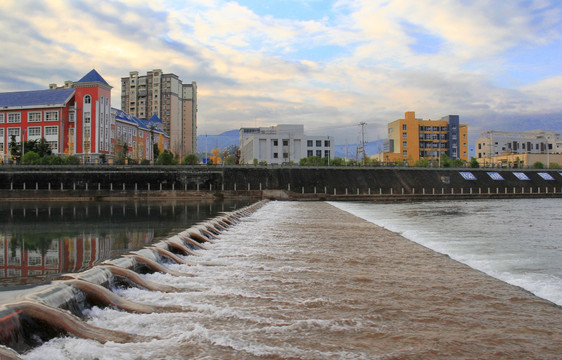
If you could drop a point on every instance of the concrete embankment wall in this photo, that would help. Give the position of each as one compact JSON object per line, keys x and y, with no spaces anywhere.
{"x":99,"y":182}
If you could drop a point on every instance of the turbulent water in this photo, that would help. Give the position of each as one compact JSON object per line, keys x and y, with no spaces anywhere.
{"x":517,"y":241}
{"x":308,"y":281}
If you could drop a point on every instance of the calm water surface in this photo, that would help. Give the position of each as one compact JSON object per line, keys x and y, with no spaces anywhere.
{"x":39,"y":241}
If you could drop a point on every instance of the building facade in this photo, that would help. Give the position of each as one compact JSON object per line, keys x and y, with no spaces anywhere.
{"x":75,"y":119}
{"x":165,"y":96}
{"x":503,"y":148}
{"x":281,"y":144}
{"x":412,"y":139}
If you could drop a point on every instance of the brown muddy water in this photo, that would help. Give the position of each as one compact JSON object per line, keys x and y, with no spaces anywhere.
{"x":304,"y":280}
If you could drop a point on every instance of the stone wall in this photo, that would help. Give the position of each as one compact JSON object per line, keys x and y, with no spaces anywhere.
{"x":297,"y":180}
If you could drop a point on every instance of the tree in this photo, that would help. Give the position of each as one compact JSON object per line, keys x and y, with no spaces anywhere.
{"x":166,"y":158}
{"x":423,"y":162}
{"x":14,"y":149}
{"x":474,"y":163}
{"x":216,"y":156}
{"x":554,"y":165}
{"x":445,"y":161}
{"x":190,"y":159}
{"x":155,"y":151}
{"x":30,"y":158}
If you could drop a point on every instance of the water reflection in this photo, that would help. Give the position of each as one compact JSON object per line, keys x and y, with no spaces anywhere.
{"x":41,"y":240}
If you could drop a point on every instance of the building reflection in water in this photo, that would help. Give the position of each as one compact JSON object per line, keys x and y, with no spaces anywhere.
{"x":38,"y":241}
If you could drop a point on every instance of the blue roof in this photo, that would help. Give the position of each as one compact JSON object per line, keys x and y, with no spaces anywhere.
{"x":93,"y":76}
{"x":141,"y":123}
{"x":36,"y":98}
{"x":155,"y":119}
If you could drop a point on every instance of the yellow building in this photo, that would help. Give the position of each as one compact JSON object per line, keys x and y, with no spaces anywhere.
{"x":411,"y":139}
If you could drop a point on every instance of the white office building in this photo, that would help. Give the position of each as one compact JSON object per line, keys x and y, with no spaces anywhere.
{"x":282,"y":144}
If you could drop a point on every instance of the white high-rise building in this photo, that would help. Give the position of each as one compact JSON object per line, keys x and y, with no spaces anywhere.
{"x":282,"y":144}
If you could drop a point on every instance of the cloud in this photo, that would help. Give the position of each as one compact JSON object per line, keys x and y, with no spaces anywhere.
{"x":343,"y":63}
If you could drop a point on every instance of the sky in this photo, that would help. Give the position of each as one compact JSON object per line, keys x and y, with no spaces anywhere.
{"x":329,"y":65}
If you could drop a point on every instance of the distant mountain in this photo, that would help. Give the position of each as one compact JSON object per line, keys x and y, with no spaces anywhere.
{"x":222,"y":141}
{"x":232,"y":137}
{"x":371,"y":148}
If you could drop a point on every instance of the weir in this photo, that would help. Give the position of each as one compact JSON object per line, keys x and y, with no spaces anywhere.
{"x":33,"y":316}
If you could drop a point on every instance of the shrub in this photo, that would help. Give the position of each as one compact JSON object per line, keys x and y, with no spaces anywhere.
{"x":538,"y":165}
{"x":474,"y":163}
{"x":73,"y":160}
{"x":190,"y":159}
{"x":30,"y":158}
{"x":145,"y":162}
{"x":554,"y":165}
{"x":166,"y":158}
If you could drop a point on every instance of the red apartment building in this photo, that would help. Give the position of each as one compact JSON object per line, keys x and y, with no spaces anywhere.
{"x":75,"y":119}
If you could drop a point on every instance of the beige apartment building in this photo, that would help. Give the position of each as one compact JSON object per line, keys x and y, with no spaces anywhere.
{"x":166,"y":96}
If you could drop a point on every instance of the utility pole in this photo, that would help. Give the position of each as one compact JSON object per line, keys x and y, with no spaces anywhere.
{"x":362,"y":124}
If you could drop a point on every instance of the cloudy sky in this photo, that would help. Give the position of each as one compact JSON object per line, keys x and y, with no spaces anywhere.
{"x":326,"y":64}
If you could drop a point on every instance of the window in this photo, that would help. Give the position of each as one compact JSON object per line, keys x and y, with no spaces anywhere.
{"x":404,"y":135}
{"x":285,"y":155}
{"x":51,"y":115}
{"x":34,"y":116}
{"x":404,"y":127}
{"x":309,"y":153}
{"x":275,"y":155}
{"x":34,"y":131}
{"x":405,"y":153}
{"x":327,"y":153}
{"x":404,"y":144}
{"x":54,"y":145}
{"x":318,"y":143}
{"x":285,"y":142}
{"x":13,"y":132}
{"x":87,"y":118}
{"x":326,"y":143}
{"x":1,"y":132}
{"x":275,"y":143}
{"x":309,"y":143}
{"x":51,"y":130}
{"x":319,"y":153}
{"x":1,"y":118}
{"x":14,"y":118}
{"x":88,"y":99}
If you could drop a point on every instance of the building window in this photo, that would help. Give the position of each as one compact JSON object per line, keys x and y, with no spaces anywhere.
{"x":309,"y":153}
{"x":275,"y":143}
{"x":326,"y":143}
{"x":285,"y":155}
{"x":318,"y":143}
{"x":14,"y":118}
{"x":34,"y":131}
{"x":1,"y":118}
{"x":404,"y":135}
{"x":34,"y":116}
{"x":405,"y":153}
{"x":87,"y":118}
{"x":285,"y":142}
{"x":319,"y":153}
{"x":327,"y":153}
{"x":51,"y":115}
{"x":51,"y":130}
{"x":275,"y":155}
{"x":309,"y":143}
{"x":403,"y":126}
{"x":54,"y":145}
{"x":13,"y":132}
{"x":88,"y":99}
